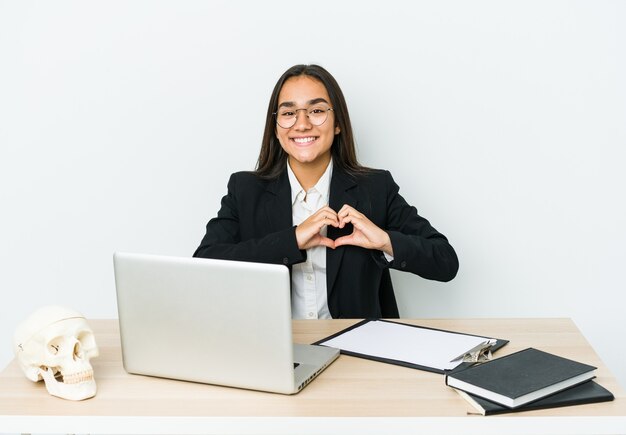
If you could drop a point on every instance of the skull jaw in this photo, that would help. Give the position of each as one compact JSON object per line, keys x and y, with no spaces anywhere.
{"x":77,"y":391}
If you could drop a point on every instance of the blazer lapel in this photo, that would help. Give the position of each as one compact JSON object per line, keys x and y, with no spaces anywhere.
{"x":341,"y":192}
{"x":278,"y":210}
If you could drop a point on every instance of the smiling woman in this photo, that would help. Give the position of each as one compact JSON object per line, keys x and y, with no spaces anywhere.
{"x":302,"y":128}
{"x":311,"y":206}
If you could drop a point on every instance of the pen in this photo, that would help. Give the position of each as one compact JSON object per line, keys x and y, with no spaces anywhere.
{"x":479,"y":347}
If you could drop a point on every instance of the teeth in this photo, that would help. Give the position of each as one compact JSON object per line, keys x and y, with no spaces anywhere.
{"x":76,"y":378}
{"x":75,"y":386}
{"x":302,"y":140}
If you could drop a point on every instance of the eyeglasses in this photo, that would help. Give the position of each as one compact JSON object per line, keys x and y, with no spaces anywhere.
{"x":286,"y":117}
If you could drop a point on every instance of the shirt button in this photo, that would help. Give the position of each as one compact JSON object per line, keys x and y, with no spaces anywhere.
{"x":310,"y":315}
{"x":309,"y":277}
{"x":285,"y":260}
{"x":403,"y":264}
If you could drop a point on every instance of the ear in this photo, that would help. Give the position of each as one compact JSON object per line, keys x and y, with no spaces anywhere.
{"x":337,"y":130}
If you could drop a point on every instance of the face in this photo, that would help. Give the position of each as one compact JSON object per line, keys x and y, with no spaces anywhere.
{"x":307,"y":144}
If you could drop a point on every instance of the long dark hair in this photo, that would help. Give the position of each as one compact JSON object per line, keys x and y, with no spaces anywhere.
{"x":272,"y":158}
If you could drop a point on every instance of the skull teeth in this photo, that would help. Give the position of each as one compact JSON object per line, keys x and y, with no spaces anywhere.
{"x":77,"y":378}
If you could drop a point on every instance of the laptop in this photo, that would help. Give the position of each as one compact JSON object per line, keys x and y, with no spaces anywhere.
{"x":212,"y":321}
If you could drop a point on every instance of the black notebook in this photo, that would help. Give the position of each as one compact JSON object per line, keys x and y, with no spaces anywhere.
{"x":521,"y":377}
{"x":587,"y":392}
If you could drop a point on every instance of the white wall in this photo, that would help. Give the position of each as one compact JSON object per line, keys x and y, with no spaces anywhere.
{"x":503,"y":122}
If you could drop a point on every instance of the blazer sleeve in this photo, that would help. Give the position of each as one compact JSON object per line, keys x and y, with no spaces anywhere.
{"x":223,"y":238}
{"x":417,"y":246}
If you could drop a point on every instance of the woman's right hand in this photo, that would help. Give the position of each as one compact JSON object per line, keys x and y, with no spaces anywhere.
{"x":308,"y":233}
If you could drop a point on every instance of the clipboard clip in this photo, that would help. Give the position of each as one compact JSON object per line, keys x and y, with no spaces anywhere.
{"x":479,"y":353}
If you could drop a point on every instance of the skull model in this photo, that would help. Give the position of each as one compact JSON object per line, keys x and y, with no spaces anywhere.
{"x":55,"y":344}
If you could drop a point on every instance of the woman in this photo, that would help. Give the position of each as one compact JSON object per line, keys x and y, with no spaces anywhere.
{"x":309,"y":205}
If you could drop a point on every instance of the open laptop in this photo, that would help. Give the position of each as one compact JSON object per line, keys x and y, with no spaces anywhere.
{"x":212,"y":321}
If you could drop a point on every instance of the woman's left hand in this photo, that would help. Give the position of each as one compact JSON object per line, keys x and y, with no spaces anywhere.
{"x":366,"y":234}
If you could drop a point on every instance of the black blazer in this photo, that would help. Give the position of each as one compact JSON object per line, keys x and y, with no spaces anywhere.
{"x":255,"y":224}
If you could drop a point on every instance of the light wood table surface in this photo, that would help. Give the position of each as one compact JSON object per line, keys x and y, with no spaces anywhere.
{"x":353,"y":395}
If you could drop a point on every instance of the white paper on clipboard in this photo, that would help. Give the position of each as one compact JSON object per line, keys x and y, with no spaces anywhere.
{"x":401,"y":342}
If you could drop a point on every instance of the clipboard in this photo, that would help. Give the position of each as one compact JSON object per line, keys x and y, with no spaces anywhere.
{"x":407,"y":345}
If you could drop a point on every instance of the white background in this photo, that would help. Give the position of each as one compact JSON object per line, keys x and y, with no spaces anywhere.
{"x":504,"y":124}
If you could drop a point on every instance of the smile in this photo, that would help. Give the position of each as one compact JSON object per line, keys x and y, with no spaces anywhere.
{"x":304,"y":140}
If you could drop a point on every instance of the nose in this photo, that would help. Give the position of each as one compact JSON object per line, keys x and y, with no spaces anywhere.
{"x":302,"y":120}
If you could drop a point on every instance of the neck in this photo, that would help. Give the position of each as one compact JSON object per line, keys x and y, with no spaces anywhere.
{"x":308,"y":174}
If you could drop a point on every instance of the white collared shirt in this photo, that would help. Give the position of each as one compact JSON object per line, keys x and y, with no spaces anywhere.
{"x":309,"y":299}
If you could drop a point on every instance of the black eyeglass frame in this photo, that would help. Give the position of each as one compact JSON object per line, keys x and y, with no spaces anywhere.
{"x":275,"y":114}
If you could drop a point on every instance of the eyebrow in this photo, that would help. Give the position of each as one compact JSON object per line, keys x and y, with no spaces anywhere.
{"x":310,"y":102}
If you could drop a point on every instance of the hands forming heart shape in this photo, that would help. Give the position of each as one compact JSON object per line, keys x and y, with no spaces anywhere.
{"x":365,"y":234}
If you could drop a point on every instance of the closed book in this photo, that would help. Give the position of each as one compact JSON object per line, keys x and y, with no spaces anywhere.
{"x":521,"y":377}
{"x":587,"y":392}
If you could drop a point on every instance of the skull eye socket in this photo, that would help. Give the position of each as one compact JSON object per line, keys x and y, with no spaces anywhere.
{"x":78,"y":353}
{"x":87,"y":340}
{"x":55,"y":346}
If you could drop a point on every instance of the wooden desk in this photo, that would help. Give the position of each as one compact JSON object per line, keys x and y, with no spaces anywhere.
{"x":352,"y":396}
